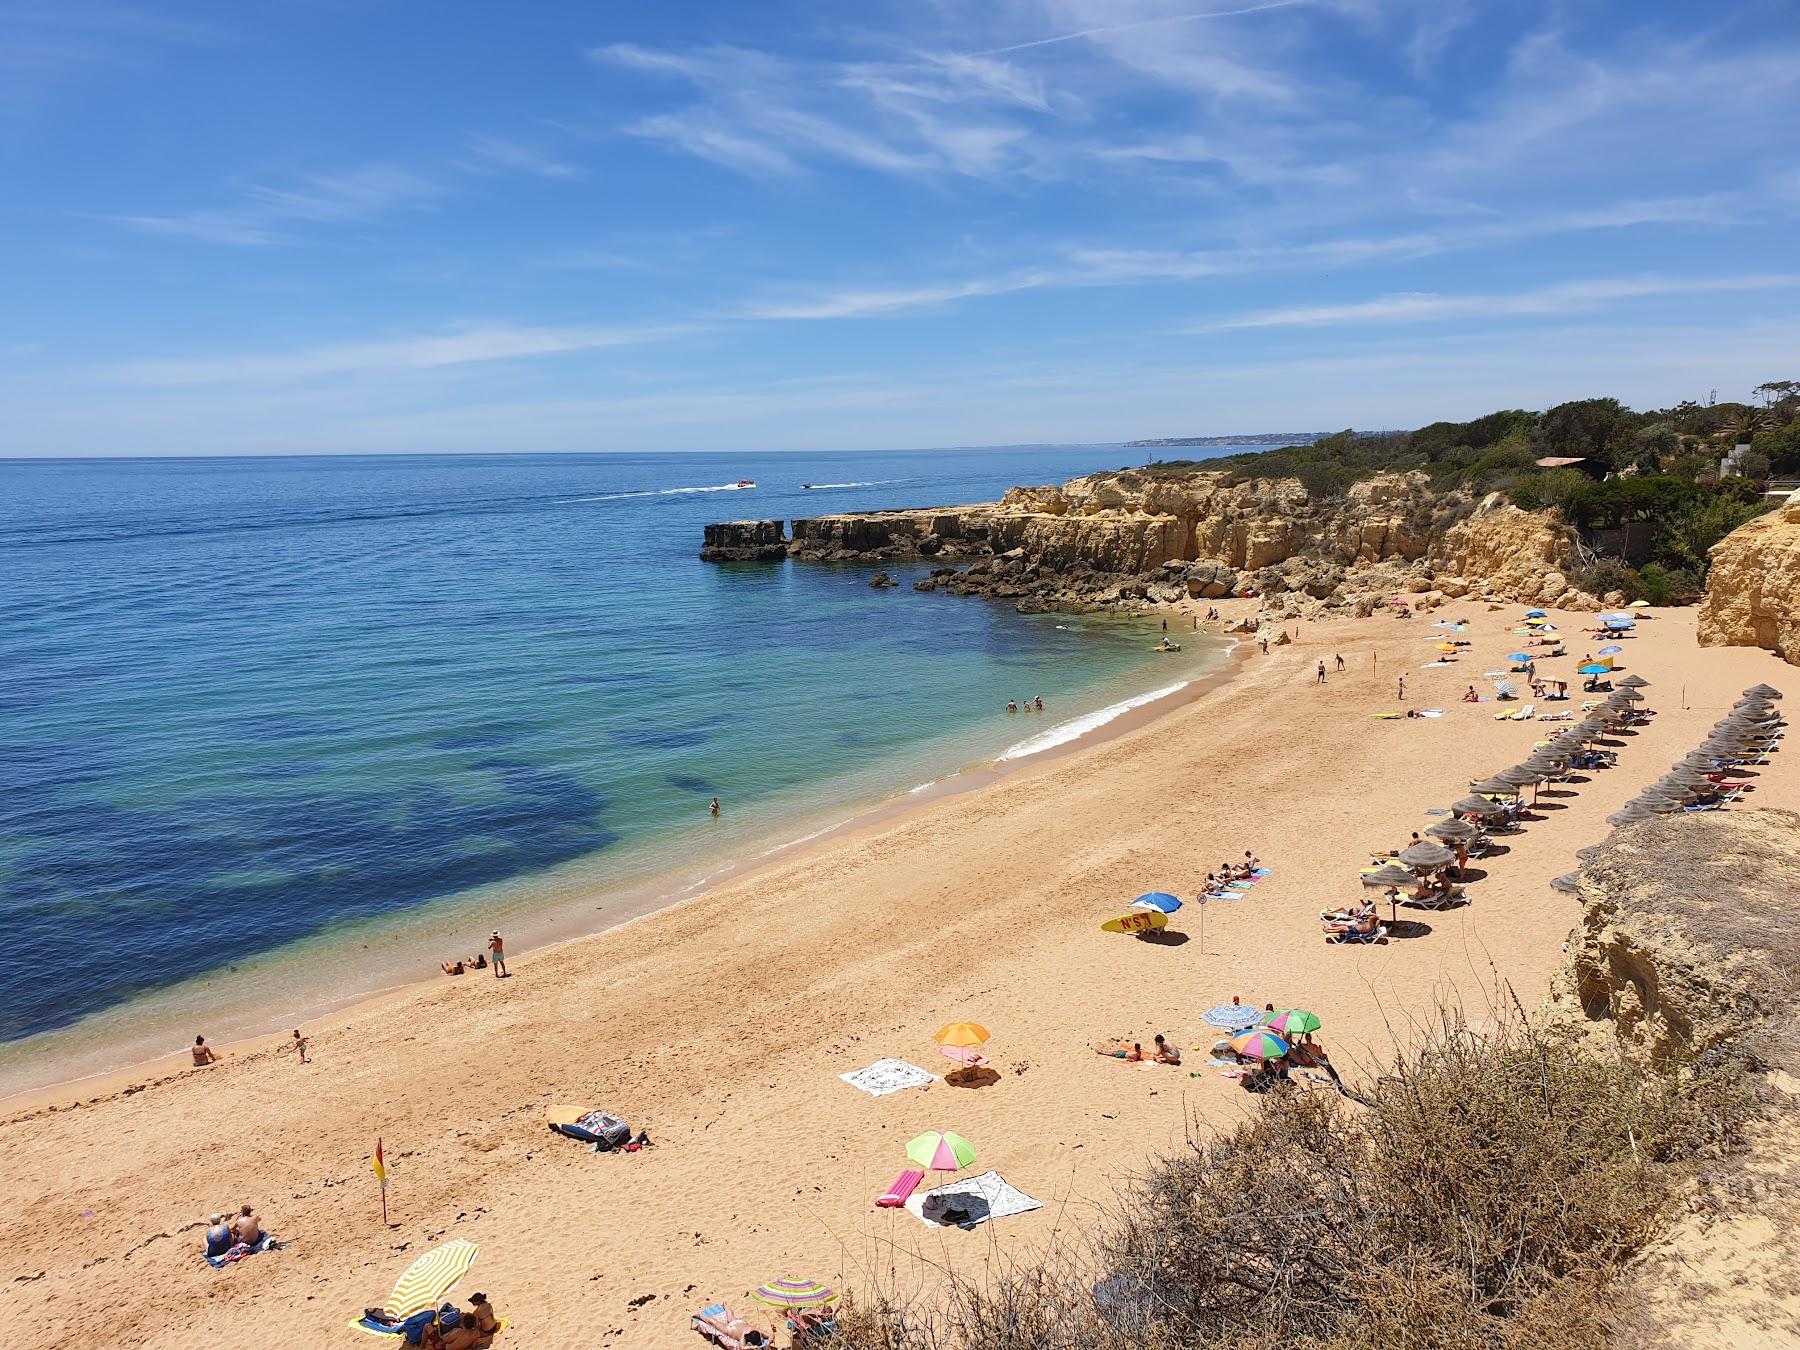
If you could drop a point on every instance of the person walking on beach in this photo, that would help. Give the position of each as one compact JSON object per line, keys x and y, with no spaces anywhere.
{"x":1400,"y":689}
{"x":1340,"y":661}
{"x":498,"y":948}
{"x":1265,"y":646}
{"x":300,"y":1045}
{"x":1321,"y":672}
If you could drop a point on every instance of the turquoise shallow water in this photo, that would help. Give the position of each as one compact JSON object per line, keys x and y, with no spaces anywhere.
{"x":254,"y":703}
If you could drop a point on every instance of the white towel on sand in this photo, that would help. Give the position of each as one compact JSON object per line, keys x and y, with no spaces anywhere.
{"x":1003,"y":1201}
{"x":888,"y":1075}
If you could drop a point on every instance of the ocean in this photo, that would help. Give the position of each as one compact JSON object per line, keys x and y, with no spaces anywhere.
{"x":274,"y":732}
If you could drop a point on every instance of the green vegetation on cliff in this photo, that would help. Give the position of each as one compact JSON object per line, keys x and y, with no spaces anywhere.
{"x":1647,"y":494}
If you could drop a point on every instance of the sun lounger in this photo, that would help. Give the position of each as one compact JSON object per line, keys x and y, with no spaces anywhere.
{"x":904,"y":1185}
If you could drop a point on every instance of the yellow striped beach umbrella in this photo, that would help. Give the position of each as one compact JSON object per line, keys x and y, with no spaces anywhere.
{"x":431,"y":1277}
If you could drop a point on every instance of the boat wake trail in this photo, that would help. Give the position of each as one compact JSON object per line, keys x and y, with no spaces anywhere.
{"x":662,"y":492}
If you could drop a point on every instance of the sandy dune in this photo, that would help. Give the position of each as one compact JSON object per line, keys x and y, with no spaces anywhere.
{"x":722,"y":1025}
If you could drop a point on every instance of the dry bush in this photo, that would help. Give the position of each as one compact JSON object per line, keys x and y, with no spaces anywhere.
{"x":1486,"y":1196}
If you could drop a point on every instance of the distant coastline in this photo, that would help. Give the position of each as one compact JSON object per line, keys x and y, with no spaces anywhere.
{"x":1255,"y":438}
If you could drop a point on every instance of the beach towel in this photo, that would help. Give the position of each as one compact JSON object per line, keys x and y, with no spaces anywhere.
{"x":1435,"y":665}
{"x":238,"y":1251}
{"x":424,"y":1285}
{"x":989,"y":1197}
{"x":888,"y":1075}
{"x":904,"y":1185}
{"x":1227,"y":895}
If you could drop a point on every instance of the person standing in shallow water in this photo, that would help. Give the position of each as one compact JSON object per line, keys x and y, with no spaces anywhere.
{"x":498,"y":948}
{"x":714,"y":806}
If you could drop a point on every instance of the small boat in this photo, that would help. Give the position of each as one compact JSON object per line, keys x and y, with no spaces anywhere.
{"x":746,"y":482}
{"x":806,"y":485}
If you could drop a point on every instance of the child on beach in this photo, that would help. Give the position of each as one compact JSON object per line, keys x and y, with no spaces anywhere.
{"x":300,"y":1045}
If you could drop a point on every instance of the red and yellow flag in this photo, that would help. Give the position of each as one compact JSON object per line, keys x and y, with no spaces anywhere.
{"x":380,"y":1165}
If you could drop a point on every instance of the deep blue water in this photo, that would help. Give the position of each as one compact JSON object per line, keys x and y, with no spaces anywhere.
{"x":248,"y":700}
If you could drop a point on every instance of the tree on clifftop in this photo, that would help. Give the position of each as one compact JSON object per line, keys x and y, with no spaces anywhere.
{"x":1596,"y":429}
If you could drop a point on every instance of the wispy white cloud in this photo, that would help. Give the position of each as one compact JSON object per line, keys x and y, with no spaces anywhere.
{"x":762,"y":115}
{"x":1573,"y":297}
{"x":266,"y":214}
{"x":1138,"y":25}
{"x":430,"y":352}
{"x":495,"y":152}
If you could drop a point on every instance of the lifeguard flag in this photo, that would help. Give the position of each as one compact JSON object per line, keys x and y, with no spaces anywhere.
{"x":380,"y":1165}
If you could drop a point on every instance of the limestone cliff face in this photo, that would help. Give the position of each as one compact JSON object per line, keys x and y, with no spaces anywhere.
{"x":1690,"y":930}
{"x":1147,"y":534}
{"x":1753,"y":589}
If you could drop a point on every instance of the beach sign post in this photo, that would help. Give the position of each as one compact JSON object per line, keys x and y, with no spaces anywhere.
{"x":379,"y":1163}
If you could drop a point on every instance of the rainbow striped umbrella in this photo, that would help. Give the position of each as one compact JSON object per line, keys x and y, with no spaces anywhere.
{"x":1294,"y":1022}
{"x":1258,"y":1043}
{"x":794,"y":1294}
{"x":429,"y":1278}
{"x":941,"y":1151}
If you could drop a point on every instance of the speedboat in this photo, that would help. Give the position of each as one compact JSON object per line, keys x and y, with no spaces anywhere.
{"x":746,"y":482}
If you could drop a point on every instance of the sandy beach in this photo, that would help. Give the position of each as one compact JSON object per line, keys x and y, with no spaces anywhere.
{"x":721,"y":1025}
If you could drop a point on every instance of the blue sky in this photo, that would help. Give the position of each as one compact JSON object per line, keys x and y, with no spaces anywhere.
{"x":357,"y":225}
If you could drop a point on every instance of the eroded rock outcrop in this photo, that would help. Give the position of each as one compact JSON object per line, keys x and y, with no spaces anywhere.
{"x":1753,"y":587}
{"x":1688,"y":951}
{"x":1141,"y":535}
{"x":1690,"y":936}
{"x":744,"y":541}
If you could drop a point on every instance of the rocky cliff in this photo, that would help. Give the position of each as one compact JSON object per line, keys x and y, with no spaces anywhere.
{"x":1688,"y":954}
{"x":1753,"y":588}
{"x":1140,"y":535}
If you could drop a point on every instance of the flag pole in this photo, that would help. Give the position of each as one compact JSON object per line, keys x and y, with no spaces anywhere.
{"x":379,"y":1163}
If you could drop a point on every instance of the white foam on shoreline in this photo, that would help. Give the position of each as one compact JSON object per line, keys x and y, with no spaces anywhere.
{"x":1064,"y":732}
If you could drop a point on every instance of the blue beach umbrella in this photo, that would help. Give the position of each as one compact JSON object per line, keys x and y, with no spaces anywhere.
{"x":1593,"y":670}
{"x":1518,"y":656}
{"x":1614,"y":615}
{"x":1620,"y":625}
{"x":1535,"y":614}
{"x":1614,"y":650}
{"x":1161,"y":901}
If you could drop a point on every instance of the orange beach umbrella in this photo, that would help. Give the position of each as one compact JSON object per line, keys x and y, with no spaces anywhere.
{"x":963,"y":1034}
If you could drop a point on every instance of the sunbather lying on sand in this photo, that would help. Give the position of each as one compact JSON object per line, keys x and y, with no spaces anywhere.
{"x":452,"y":967}
{"x":1129,"y":1051}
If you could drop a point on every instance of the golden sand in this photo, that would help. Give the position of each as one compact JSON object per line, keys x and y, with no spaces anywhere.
{"x":722,"y":1025}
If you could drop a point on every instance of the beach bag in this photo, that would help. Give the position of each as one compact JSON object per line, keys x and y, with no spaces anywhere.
{"x":608,"y":1130}
{"x":412,"y":1330}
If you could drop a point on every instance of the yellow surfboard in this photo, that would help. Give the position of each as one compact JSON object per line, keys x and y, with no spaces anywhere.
{"x":1138,"y":921}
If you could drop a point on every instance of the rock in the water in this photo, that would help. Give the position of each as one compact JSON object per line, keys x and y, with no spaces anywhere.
{"x":881,"y":581}
{"x":744,"y":541}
